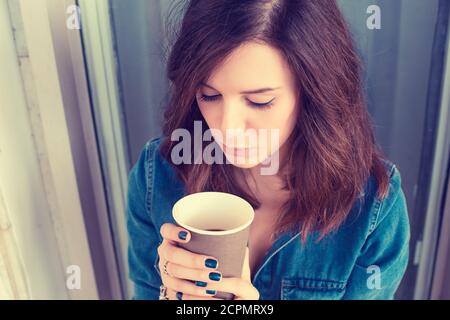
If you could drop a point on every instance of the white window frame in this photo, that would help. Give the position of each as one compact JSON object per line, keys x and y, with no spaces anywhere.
{"x":38,"y":175}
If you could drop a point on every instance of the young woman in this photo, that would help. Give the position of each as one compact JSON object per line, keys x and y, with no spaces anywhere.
{"x":332,"y":221}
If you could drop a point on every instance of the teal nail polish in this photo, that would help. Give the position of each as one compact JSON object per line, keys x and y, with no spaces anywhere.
{"x":182,"y":235}
{"x":211,"y":263}
{"x":210,"y":291}
{"x":200,"y":284}
{"x":179,"y":295}
{"x":215,"y":276}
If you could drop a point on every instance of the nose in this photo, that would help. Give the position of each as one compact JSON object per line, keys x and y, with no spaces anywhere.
{"x":233,"y":124}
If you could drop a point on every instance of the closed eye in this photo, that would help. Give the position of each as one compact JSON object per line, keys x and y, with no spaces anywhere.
{"x":251,"y":103}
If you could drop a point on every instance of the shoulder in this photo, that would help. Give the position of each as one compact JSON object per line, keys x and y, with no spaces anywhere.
{"x":372,"y":216}
{"x":151,"y":160}
{"x":381,"y":248}
{"x":150,"y":151}
{"x":154,"y":166}
{"x":393,"y":205}
{"x":153,"y":145}
{"x":140,"y":175}
{"x":159,"y":185}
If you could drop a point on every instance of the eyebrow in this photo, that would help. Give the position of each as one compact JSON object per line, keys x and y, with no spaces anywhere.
{"x":262,"y":90}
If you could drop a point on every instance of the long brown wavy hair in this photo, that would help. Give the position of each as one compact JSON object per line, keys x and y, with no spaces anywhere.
{"x":333,"y":150}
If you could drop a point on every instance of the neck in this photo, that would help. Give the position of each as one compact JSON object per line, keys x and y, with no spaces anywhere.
{"x":268,"y":188}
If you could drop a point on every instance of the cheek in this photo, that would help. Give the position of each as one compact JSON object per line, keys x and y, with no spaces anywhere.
{"x":281,"y":124}
{"x":208,"y":114}
{"x":290,"y":124}
{"x":290,"y":116}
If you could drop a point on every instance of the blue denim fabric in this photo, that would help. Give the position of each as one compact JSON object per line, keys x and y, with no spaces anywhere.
{"x":343,"y":265}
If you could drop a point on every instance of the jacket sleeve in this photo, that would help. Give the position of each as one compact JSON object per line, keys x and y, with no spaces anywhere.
{"x":143,"y":238}
{"x":384,"y":256}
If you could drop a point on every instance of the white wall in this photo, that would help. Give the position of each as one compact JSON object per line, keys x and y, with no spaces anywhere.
{"x":41,"y":202}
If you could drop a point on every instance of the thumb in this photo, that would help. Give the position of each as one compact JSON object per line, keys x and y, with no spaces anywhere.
{"x":246,"y":266}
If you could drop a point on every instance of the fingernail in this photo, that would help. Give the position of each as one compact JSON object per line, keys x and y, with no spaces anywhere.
{"x":215,"y":276}
{"x":210,"y":291}
{"x":200,"y":284}
{"x":179,"y":295}
{"x":182,"y":235}
{"x":211,"y":263}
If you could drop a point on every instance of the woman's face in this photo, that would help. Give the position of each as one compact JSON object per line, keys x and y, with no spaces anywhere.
{"x":249,"y":99}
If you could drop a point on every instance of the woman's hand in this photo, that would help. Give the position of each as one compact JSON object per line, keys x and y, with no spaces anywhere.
{"x":242,"y":287}
{"x":184,"y":265}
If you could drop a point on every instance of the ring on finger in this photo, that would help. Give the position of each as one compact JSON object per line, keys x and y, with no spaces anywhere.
{"x":165,"y":268}
{"x":163,"y":293}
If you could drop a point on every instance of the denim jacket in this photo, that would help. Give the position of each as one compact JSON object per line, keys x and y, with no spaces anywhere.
{"x":364,"y":259}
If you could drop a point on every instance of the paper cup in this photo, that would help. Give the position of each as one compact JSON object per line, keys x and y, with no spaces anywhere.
{"x":219,"y":224}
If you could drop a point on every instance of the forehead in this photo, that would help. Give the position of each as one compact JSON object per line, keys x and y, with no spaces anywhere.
{"x":251,"y":66}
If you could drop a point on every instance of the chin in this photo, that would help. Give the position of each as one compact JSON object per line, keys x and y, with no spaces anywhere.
{"x":246,"y":163}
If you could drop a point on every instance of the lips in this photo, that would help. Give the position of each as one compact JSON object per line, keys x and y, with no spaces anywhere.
{"x":239,"y":152}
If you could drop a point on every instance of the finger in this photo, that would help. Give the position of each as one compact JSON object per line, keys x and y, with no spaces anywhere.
{"x":173,"y":232}
{"x":240,"y":288}
{"x":183,"y":257}
{"x":177,"y":295}
{"x":182,"y":272}
{"x":187,"y":287}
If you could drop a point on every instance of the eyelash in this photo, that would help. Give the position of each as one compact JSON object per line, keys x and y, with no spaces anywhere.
{"x":251,"y":104}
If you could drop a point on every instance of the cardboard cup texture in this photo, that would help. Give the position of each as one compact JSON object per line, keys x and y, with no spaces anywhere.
{"x":219,"y":224}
